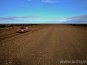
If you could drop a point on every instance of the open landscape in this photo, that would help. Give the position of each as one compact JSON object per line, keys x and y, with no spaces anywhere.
{"x":44,"y":45}
{"x":43,"y":32}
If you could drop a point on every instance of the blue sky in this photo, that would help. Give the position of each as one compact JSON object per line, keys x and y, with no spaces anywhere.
{"x":41,"y":11}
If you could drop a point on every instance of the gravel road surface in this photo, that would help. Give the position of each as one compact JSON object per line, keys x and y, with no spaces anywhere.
{"x":51,"y":45}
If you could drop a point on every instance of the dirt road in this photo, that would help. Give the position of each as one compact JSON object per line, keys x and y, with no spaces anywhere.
{"x":52,"y":45}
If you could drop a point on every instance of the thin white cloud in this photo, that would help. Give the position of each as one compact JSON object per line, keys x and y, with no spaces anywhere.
{"x":40,"y":19}
{"x":31,"y":19}
{"x":77,"y":19}
{"x":28,"y":0}
{"x":49,"y":1}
